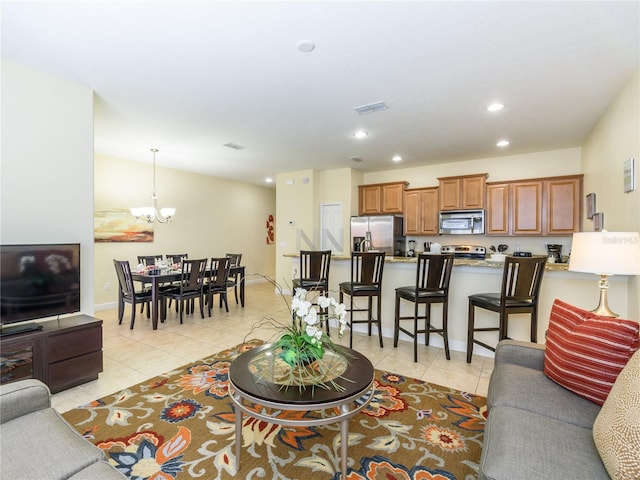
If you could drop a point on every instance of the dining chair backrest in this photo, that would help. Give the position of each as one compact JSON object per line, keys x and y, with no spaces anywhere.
{"x":234,"y":259}
{"x":125,"y":281}
{"x":176,"y":257}
{"x":434,"y":272}
{"x":193,"y":273}
{"x":149,"y":259}
{"x":367,"y":268}
{"x":314,"y":265}
{"x":522,"y":278}
{"x":219,"y":272}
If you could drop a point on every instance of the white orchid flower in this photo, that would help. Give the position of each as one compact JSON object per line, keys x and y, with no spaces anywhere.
{"x":312,"y":331}
{"x":324,"y":302}
{"x":312,"y":317}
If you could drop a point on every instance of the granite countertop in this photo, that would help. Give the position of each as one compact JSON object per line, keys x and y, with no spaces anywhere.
{"x":457,"y":262}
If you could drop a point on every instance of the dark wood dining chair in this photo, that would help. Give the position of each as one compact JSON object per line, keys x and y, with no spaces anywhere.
{"x":128,"y":293}
{"x":190,"y":288}
{"x":521,"y":281}
{"x":314,"y":271}
{"x":366,"y":281}
{"x":234,"y":279}
{"x":433,"y":275}
{"x":147,"y":260}
{"x":216,"y":283}
{"x":174,"y":258}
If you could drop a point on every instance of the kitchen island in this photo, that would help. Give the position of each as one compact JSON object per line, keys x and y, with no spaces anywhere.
{"x":472,"y":276}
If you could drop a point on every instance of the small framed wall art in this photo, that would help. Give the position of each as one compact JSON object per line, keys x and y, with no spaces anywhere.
{"x":591,"y":205}
{"x":629,"y":175}
{"x":598,"y":222}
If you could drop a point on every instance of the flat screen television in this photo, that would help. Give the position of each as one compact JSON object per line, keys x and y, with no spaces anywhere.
{"x":38,"y":281}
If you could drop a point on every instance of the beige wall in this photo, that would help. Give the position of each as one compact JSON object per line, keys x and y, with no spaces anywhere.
{"x":214,"y":217}
{"x":511,"y":167}
{"x":47,"y":165}
{"x":615,"y":139}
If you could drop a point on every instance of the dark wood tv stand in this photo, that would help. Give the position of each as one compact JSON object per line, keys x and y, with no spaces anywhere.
{"x":65,"y":353}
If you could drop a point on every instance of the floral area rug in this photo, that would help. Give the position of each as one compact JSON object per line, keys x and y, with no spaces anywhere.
{"x":180,"y":425}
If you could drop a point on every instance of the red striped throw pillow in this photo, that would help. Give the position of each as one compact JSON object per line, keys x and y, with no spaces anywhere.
{"x":586,"y":352}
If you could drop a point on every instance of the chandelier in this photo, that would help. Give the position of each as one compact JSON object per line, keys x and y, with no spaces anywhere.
{"x":151,"y":214}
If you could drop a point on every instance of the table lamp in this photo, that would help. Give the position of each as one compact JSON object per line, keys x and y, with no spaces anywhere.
{"x":605,"y":254}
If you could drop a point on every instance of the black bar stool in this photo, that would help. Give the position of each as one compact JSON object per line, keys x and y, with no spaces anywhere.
{"x":521,"y":281}
{"x":366,"y":281}
{"x":433,"y":275}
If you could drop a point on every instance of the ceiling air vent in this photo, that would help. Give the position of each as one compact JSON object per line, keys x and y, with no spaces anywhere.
{"x":233,"y":146}
{"x":371,"y":108}
{"x":357,"y":159}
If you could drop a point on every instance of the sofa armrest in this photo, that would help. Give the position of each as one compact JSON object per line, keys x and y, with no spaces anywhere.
{"x":23,"y":397}
{"x":526,"y":354}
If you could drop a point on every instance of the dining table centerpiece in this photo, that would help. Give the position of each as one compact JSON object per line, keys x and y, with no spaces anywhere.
{"x":302,"y":353}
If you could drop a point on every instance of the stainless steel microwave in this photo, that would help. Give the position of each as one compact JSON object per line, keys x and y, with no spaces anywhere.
{"x":462,"y":222}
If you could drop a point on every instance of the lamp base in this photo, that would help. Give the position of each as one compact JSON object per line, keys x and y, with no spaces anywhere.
{"x":603,"y":305}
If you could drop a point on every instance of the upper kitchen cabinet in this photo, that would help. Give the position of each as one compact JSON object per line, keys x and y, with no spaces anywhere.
{"x":543,"y":206}
{"x":497,"y":216}
{"x":563,"y":199}
{"x":381,"y":198}
{"x":421,"y":211}
{"x":465,"y":192}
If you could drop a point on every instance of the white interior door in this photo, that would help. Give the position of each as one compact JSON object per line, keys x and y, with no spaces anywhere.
{"x":331,"y":234}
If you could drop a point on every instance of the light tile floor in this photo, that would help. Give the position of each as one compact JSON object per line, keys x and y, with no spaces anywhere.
{"x":132,"y":356}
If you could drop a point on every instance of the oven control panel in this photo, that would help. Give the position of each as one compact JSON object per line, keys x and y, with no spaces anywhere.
{"x":465,"y":250}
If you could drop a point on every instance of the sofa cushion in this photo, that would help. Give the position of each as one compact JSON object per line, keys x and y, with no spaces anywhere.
{"x":616,"y":431}
{"x":521,"y":445}
{"x":530,"y":389}
{"x":586,"y":352}
{"x":28,"y":440}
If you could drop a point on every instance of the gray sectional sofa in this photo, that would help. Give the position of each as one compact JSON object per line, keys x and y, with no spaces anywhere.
{"x":37,"y":443}
{"x":536,"y":428}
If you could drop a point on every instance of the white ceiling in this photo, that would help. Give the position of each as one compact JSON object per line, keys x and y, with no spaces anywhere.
{"x":188,"y":76}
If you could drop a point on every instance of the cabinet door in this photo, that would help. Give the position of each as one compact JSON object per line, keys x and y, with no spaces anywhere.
{"x":392,"y":198}
{"x":497,"y":209}
{"x":473,"y":192}
{"x":21,"y":358}
{"x":430,"y":211}
{"x":412,"y":212}
{"x":563,"y":206}
{"x":450,"y":194}
{"x":370,"y":202}
{"x":527,"y":208}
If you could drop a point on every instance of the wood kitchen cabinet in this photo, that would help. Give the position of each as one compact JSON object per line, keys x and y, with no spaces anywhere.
{"x":465,"y":192}
{"x":497,"y":215}
{"x":421,"y":211}
{"x":563,"y":199}
{"x":542,"y":206}
{"x":381,"y":198}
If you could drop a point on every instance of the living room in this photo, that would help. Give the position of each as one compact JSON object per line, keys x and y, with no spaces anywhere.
{"x":53,"y":179}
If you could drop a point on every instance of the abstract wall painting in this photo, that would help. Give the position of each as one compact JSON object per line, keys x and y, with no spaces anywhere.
{"x":118,"y":225}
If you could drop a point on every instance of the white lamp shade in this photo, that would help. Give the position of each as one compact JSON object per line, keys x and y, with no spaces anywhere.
{"x":606,"y":253}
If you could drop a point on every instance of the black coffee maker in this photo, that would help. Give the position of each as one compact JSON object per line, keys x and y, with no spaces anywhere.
{"x":554,"y":252}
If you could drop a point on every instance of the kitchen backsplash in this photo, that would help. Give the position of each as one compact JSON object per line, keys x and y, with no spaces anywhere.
{"x":535,"y":245}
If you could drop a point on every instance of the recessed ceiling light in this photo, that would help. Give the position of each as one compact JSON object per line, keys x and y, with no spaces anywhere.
{"x":397,"y":158}
{"x":360,"y":134}
{"x":268,"y":180}
{"x":495,"y":107}
{"x":502,"y":143}
{"x":306,"y":46}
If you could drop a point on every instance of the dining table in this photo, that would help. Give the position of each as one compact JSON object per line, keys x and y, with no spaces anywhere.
{"x":155,"y":280}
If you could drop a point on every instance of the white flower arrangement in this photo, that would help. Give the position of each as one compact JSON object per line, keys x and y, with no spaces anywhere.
{"x":309,"y":314}
{"x":303,"y":341}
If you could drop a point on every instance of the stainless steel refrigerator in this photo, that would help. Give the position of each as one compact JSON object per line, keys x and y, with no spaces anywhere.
{"x":386,"y":233}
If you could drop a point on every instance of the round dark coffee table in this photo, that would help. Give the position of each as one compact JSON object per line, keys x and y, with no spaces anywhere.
{"x":245,"y":385}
